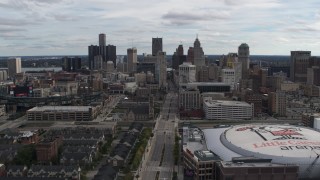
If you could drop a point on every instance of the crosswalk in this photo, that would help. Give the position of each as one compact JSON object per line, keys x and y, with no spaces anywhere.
{"x":157,"y":168}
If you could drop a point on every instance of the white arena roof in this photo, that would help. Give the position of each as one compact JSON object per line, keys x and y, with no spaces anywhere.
{"x":284,"y":144}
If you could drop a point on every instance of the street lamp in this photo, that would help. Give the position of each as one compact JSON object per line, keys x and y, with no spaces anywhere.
{"x":79,"y":173}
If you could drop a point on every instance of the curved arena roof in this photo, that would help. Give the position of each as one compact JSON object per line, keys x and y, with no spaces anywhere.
{"x":283,"y":144}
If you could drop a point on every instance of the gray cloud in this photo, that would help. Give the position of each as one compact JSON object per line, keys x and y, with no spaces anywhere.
{"x":189,"y":18}
{"x":9,"y":29}
{"x":64,"y":17}
{"x":46,"y":1}
{"x":301,"y":29}
{"x":255,"y":3}
{"x":15,"y":22}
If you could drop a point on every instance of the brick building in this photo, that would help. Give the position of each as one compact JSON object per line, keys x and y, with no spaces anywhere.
{"x":47,"y":149}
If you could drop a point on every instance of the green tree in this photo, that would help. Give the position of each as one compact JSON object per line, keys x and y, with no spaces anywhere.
{"x":26,"y":155}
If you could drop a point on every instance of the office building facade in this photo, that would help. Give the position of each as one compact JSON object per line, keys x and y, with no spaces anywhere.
{"x":132,"y":60}
{"x":187,"y":73}
{"x":277,"y":103}
{"x":243,"y":57}
{"x":298,"y":65}
{"x":14,"y":66}
{"x":178,"y":57}
{"x":199,"y":59}
{"x":161,"y":70}
{"x":189,"y":99}
{"x":313,"y":75}
{"x":228,"y":77}
{"x":156,"y":46}
{"x":71,"y":64}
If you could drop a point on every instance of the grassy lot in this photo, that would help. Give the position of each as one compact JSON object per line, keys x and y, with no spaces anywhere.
{"x":38,"y":124}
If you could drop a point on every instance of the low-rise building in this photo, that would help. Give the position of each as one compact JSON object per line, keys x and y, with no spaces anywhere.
{"x":253,"y":169}
{"x":62,"y":113}
{"x":226,"y":110}
{"x":189,"y":99}
{"x":47,"y":149}
{"x":198,"y":162}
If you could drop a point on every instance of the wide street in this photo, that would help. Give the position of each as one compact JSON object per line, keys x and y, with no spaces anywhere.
{"x":162,"y":143}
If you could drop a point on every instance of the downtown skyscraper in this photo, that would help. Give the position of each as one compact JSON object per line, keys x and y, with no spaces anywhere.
{"x":101,"y":52}
{"x":156,"y":46}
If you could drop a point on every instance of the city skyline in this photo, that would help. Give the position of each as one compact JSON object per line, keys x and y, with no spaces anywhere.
{"x":67,"y":27}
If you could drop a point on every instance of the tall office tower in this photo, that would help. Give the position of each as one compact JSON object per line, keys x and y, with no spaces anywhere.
{"x":314,"y":61}
{"x":161,"y":69}
{"x":180,"y":50}
{"x":243,"y":57}
{"x":190,"y":56}
{"x":199,"y":59}
{"x":71,"y":64}
{"x":102,"y":39}
{"x":132,"y":59}
{"x":92,"y":52}
{"x":108,"y":53}
{"x":178,"y":57}
{"x":298,"y":66}
{"x":175,"y":61}
{"x":277,"y":103}
{"x":187,"y":73}
{"x":156,"y":46}
{"x":313,"y":76}
{"x":14,"y":66}
{"x":112,"y":54}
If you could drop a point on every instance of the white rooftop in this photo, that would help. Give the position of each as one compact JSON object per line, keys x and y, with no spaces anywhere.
{"x":274,"y":140}
{"x":284,"y":144}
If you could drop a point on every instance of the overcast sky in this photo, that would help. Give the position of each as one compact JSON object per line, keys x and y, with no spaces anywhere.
{"x":67,"y":27}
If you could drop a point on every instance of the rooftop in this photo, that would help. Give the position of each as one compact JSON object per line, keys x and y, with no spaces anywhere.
{"x":232,"y":164}
{"x":206,"y":155}
{"x":204,"y":84}
{"x":60,"y":108}
{"x":226,"y":103}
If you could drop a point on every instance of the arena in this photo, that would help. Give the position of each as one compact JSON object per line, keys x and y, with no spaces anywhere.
{"x":285,"y":144}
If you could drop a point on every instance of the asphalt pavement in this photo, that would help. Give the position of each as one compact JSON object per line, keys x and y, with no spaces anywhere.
{"x":163,"y":139}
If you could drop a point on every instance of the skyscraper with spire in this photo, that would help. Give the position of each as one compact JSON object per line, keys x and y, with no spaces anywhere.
{"x":178,"y":57}
{"x":198,"y":54}
{"x":199,"y":62}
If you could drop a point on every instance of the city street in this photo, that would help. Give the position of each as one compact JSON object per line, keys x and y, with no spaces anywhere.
{"x":164,"y":135}
{"x":13,"y":123}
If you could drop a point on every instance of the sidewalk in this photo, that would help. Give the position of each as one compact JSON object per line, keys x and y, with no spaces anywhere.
{"x":147,"y":152}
